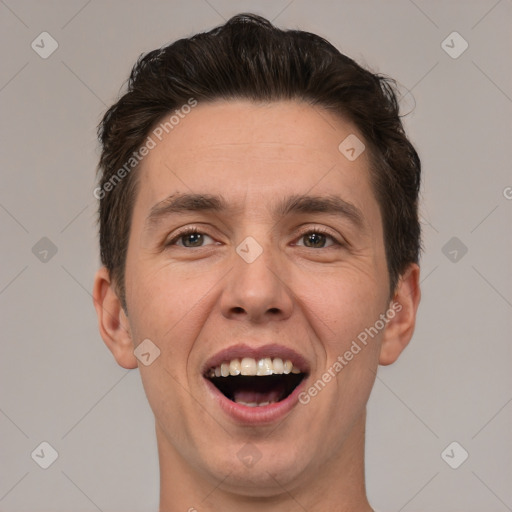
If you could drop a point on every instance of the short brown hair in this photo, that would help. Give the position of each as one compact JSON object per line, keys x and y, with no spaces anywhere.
{"x":249,"y":58}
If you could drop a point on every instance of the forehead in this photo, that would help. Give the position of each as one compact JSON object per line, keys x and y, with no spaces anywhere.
{"x":254,"y":150}
{"x":246,"y":122}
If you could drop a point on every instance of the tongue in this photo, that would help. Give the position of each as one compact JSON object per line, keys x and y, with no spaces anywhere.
{"x":248,"y":396}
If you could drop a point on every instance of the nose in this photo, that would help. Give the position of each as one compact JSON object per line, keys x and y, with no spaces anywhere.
{"x":256,"y":290}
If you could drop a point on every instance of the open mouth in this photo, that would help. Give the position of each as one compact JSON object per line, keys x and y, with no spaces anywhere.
{"x":256,"y":383}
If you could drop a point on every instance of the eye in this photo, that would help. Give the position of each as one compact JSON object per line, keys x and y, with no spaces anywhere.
{"x":190,"y":238}
{"x":316,"y":239}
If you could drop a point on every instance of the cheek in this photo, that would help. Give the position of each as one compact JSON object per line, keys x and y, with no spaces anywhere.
{"x":166,"y":314}
{"x":165,"y":307}
{"x":340,"y":304}
{"x":344,"y":310}
{"x":163,"y":299}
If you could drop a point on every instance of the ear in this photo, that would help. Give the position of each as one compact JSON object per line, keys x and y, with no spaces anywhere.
{"x":402,"y":316}
{"x":113,"y":322}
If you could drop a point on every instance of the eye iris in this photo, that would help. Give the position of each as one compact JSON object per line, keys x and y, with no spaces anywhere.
{"x":194,"y":237}
{"x":317,"y":239}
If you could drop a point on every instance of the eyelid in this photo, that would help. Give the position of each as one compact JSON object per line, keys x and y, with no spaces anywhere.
{"x":303,"y":231}
{"x":323,"y":231}
{"x":186,"y":231}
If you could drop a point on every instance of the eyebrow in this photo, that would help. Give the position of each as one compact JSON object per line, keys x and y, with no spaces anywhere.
{"x":180,"y":203}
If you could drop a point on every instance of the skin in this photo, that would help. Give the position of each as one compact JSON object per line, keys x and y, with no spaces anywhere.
{"x":194,"y":302}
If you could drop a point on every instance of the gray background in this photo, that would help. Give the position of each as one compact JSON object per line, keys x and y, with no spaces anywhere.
{"x":58,"y":381}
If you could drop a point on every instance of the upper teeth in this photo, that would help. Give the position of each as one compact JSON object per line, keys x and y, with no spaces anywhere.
{"x":250,"y":366}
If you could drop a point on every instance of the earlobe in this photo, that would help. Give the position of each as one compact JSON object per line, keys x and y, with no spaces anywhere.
{"x":112,"y":320}
{"x":402,"y":316}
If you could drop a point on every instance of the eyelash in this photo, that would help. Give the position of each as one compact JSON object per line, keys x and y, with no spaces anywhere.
{"x":317,"y":230}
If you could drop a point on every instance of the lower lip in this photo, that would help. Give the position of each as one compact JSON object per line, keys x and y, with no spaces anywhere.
{"x":265,"y":414}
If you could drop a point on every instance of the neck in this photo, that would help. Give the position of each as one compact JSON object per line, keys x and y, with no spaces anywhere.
{"x":336,"y":484}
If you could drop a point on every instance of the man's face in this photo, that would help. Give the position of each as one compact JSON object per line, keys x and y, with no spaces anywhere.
{"x":258,"y":284}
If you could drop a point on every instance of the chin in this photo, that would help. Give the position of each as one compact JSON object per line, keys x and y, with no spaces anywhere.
{"x":256,"y":471}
